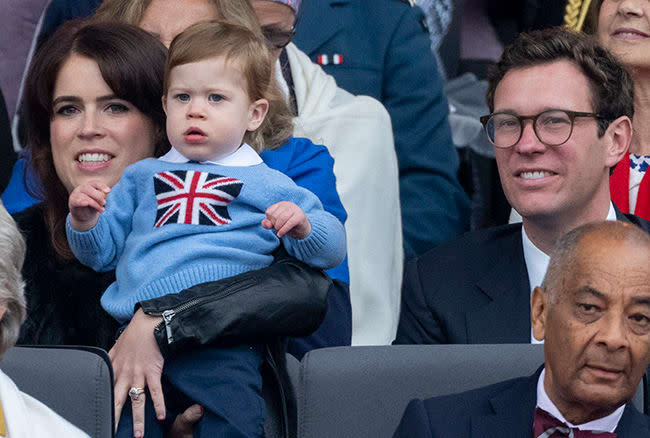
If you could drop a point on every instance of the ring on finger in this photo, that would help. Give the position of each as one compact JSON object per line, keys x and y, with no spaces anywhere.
{"x":135,"y":392}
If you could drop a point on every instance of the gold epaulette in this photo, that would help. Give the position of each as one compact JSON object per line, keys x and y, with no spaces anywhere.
{"x":576,"y":11}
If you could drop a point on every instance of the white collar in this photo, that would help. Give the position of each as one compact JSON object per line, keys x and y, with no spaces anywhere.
{"x":537,"y":260}
{"x":605,"y":424}
{"x":611,"y":214}
{"x":243,"y":156}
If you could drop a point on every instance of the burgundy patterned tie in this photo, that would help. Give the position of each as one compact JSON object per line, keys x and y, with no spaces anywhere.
{"x":547,"y":426}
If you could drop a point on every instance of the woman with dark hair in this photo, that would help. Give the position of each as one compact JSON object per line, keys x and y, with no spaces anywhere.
{"x":93,"y":105}
{"x":88,"y":117}
{"x":131,"y":94}
{"x":309,"y":165}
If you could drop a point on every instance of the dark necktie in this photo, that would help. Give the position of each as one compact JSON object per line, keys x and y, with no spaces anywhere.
{"x":547,"y":426}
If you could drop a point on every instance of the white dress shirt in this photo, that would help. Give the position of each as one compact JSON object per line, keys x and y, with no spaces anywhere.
{"x":605,"y":424}
{"x":537,"y":262}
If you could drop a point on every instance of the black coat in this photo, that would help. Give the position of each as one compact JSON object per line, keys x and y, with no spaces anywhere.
{"x":62,"y":296}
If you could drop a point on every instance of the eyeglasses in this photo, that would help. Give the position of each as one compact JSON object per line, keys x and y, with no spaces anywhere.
{"x":277,"y":38}
{"x":552,"y":127}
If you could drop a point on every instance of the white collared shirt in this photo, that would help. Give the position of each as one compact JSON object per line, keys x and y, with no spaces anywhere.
{"x":537,"y":261}
{"x":605,"y":424}
{"x":243,"y":156}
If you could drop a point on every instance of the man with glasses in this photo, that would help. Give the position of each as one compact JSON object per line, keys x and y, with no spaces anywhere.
{"x":560,"y":121}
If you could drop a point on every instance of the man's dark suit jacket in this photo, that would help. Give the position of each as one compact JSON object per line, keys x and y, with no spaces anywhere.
{"x":474,"y":290}
{"x":501,"y":410}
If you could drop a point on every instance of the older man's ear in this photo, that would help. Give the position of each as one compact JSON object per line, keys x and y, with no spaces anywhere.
{"x":538,"y":308}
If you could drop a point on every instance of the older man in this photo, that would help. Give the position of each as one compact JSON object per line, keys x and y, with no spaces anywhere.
{"x":593,"y":312}
{"x":561,"y":108}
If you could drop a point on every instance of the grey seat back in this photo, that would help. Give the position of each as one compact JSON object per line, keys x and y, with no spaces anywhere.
{"x":363,"y":391}
{"x":77,"y":383}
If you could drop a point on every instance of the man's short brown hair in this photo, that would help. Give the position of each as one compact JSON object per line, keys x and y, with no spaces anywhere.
{"x":612,"y":89}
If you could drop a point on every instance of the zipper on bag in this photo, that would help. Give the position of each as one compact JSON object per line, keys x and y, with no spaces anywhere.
{"x":169,"y":314}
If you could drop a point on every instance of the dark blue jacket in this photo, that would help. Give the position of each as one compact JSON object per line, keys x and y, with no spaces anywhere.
{"x":386,"y":54}
{"x":501,"y":410}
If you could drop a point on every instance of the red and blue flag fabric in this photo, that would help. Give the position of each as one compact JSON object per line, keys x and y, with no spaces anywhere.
{"x":194,"y":198}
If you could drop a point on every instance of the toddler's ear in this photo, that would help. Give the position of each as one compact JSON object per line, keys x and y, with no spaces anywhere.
{"x":164,"y":103}
{"x":256,"y":113}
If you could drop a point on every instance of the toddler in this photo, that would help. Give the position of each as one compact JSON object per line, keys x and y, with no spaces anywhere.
{"x":206,"y":210}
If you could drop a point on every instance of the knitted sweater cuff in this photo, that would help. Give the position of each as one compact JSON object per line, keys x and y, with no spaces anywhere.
{"x":85,"y":241}
{"x":322,"y":248}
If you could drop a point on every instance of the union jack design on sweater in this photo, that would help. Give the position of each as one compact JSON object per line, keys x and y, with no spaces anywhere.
{"x":194,"y":198}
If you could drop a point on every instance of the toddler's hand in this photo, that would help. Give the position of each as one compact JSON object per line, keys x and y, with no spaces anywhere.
{"x":85,"y":202}
{"x":287,"y":218}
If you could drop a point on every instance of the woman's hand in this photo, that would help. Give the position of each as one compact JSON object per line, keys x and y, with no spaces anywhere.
{"x":137,"y":362}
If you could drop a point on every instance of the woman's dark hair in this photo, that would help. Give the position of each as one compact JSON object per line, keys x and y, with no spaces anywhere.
{"x":131,"y":62}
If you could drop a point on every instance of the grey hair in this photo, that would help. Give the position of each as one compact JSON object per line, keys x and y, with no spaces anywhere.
{"x":12,"y":287}
{"x":565,"y":252}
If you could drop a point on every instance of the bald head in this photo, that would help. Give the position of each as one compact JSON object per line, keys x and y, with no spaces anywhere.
{"x":575,"y":248}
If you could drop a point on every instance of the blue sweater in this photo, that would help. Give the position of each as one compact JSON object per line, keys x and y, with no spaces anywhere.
{"x":160,"y":236}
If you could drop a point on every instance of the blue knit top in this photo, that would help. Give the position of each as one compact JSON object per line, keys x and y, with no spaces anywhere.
{"x":169,"y":226}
